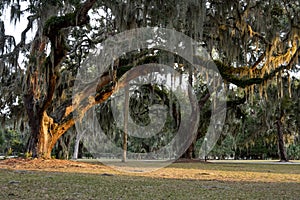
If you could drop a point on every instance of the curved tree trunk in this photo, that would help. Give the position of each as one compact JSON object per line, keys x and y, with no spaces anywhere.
{"x":41,"y":81}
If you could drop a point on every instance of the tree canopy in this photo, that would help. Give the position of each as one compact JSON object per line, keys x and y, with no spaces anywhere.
{"x":254,"y":44}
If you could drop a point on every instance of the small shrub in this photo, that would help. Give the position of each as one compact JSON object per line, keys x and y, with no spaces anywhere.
{"x":27,"y":155}
{"x":9,"y":152}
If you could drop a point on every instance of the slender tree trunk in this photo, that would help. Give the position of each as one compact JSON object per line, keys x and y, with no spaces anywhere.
{"x":76,"y":148}
{"x":190,"y":152}
{"x":76,"y":145}
{"x":281,"y":147}
{"x":31,"y":146}
{"x":126,"y":110}
{"x":80,"y":150}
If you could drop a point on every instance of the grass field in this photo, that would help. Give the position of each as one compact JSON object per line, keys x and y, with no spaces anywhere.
{"x":178,"y":181}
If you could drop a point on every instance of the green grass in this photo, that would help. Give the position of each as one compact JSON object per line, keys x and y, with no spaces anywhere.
{"x":21,"y":184}
{"x":243,"y":167}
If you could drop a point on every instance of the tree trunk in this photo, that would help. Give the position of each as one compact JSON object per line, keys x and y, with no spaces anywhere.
{"x":41,"y":140}
{"x":282,"y":151}
{"x":80,"y":150}
{"x":41,"y":81}
{"x":126,"y":110}
{"x":64,"y":145}
{"x":190,"y":152}
{"x":76,"y":145}
{"x":76,"y":148}
{"x":44,"y":131}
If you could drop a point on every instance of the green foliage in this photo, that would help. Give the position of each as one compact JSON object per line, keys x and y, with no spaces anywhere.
{"x":11,"y":142}
{"x":250,"y":130}
{"x":293,"y":151}
{"x":224,"y":150}
{"x":27,"y":155}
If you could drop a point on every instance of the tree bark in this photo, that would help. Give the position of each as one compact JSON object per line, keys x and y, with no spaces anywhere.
{"x":43,"y":137}
{"x":281,"y":147}
{"x":76,"y":148}
{"x":76,"y":145}
{"x":41,"y":140}
{"x":64,"y":145}
{"x":190,"y":152}
{"x":126,"y":112}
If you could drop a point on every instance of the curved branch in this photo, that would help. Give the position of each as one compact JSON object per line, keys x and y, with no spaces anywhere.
{"x":244,"y":82}
{"x":77,"y":18}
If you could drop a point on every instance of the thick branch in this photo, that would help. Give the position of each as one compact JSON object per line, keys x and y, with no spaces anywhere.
{"x":244,"y":82}
{"x":78,"y":18}
{"x":96,"y":92}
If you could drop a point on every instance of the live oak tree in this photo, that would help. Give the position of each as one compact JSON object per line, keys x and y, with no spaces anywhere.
{"x":252,"y":42}
{"x":253,"y":130}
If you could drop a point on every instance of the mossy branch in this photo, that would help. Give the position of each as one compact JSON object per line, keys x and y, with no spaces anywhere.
{"x":77,"y":18}
{"x":228,"y":74}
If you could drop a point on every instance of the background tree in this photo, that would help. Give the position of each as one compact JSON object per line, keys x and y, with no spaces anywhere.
{"x":253,"y":130}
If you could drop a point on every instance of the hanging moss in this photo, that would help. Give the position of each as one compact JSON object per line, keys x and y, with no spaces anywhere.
{"x":56,"y":23}
{"x":289,"y":85}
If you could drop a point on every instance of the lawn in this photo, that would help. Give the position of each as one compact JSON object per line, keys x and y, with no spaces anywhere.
{"x":53,"y":179}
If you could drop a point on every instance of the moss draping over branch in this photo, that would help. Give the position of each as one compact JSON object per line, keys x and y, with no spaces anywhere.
{"x":78,"y":18}
{"x":228,"y":74}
